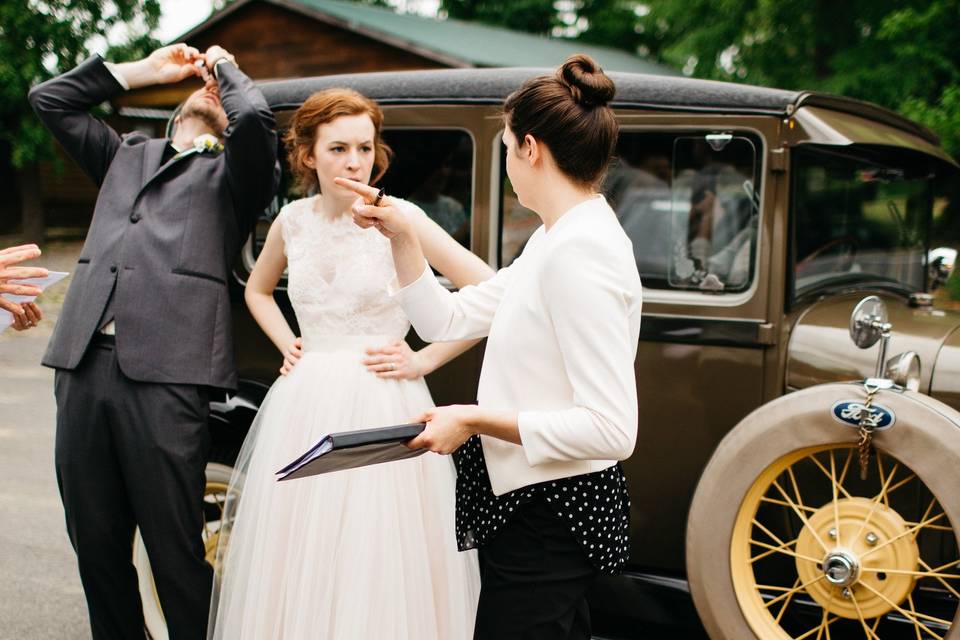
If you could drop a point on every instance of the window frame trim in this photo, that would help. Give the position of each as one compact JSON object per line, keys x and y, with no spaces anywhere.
{"x":249,"y":261}
{"x":659,"y":296}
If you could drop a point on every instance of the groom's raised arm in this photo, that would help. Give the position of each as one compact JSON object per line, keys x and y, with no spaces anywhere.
{"x":63,"y":105}
{"x":250,"y":144}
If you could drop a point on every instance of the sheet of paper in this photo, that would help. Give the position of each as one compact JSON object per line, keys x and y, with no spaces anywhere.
{"x":6,"y":318}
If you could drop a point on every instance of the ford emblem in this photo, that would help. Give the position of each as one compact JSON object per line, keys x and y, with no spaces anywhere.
{"x":850,"y":412}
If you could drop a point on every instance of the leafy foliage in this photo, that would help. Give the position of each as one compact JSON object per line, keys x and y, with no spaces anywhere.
{"x":39,"y":39}
{"x":532,"y":16}
{"x":902,"y":54}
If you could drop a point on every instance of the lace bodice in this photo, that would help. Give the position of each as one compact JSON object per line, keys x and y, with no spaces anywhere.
{"x":338,"y":275}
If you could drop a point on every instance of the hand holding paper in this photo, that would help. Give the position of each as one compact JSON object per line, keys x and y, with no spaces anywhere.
{"x":30,"y":313}
{"x":9,"y":275}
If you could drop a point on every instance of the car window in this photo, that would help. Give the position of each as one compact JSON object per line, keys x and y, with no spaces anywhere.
{"x":432,"y":168}
{"x":859,"y":215}
{"x":688,"y":201}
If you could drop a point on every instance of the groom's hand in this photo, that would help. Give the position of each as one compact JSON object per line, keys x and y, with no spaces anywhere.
{"x":174,"y":63}
{"x":216,"y":53}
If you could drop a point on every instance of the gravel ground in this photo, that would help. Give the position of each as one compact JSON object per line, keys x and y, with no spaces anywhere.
{"x":40,"y":592}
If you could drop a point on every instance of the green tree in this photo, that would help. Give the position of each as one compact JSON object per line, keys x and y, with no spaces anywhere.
{"x":39,"y":39}
{"x":904,"y":55}
{"x":901,"y":54}
{"x":612,"y":23}
{"x":532,"y":16}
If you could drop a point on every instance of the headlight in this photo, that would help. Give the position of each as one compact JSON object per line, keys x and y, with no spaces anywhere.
{"x":904,"y":370}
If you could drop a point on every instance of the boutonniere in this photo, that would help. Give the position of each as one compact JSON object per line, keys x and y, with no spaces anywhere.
{"x":207,"y":143}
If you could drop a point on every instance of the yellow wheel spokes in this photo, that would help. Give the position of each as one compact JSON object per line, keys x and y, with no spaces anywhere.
{"x":214,"y":494}
{"x":808,"y":534}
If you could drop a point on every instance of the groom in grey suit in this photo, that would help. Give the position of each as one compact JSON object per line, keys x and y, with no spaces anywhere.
{"x":145,"y":329}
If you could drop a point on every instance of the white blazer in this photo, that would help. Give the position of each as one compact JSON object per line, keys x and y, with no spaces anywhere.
{"x":562,"y":323}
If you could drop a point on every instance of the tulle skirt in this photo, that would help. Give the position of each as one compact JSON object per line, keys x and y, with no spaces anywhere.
{"x":368,"y":553}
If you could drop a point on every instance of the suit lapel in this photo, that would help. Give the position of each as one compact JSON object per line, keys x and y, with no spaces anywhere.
{"x":154,"y":156}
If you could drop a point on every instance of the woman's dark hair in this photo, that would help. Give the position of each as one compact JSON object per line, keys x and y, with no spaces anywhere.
{"x":568,"y":112}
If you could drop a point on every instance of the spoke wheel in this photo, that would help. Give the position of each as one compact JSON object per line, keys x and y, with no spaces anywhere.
{"x":817,"y":549}
{"x":786,"y":541}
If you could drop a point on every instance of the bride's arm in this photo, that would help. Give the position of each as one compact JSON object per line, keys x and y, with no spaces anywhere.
{"x":259,"y":298}
{"x":438,"y":354}
{"x":446,"y":255}
{"x":398,"y":360}
{"x":461,"y":266}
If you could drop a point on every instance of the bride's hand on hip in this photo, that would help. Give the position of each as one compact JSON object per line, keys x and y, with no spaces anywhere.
{"x":291,"y":356}
{"x":385,"y":216}
{"x":447,"y":428}
{"x":395,"y":360}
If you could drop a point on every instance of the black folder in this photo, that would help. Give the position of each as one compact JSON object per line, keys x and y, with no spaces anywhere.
{"x":352,"y":449}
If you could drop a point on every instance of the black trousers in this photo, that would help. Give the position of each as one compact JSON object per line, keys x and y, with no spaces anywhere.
{"x":534,"y":579}
{"x":133,"y":454}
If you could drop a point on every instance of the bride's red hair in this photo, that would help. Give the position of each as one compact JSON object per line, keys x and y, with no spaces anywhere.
{"x":319,"y":109}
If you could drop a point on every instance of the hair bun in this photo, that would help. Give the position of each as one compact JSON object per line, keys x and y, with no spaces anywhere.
{"x":588,"y":84}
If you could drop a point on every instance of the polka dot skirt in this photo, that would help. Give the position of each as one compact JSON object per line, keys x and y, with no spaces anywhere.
{"x":595,"y":505}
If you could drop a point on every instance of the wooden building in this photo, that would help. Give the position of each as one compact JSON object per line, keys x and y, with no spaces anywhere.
{"x":275,"y":39}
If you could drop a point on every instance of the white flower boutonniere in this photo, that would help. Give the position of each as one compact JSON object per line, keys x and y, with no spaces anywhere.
{"x":207,"y":143}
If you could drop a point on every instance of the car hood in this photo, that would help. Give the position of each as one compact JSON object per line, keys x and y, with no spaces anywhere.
{"x":820,"y":349}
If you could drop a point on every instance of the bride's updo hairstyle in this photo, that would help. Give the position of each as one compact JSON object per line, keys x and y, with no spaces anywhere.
{"x":321,"y":108}
{"x":568,"y":112}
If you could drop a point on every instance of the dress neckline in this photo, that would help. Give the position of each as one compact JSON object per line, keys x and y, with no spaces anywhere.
{"x":309,"y":207}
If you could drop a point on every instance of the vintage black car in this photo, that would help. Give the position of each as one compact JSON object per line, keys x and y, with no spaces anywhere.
{"x":811,"y":203}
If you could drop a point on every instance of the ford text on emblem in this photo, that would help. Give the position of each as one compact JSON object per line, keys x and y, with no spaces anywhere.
{"x":850,"y":412}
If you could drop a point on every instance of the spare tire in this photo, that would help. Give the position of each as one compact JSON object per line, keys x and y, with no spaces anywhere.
{"x":786,"y":541}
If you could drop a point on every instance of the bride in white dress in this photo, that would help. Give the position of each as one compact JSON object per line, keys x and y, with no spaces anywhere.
{"x":368,"y":553}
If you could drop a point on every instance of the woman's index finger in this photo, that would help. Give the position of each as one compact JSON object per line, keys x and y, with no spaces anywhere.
{"x":368,"y":193}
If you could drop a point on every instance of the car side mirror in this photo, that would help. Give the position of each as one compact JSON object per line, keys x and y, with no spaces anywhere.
{"x":940,"y":263}
{"x":869,"y":322}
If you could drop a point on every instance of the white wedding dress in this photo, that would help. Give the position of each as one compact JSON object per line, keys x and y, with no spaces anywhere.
{"x":368,"y":553}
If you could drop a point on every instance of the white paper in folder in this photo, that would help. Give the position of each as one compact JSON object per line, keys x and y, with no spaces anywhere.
{"x":6,"y":318}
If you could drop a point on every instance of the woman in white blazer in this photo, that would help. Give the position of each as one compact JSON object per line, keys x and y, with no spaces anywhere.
{"x":539,"y":489}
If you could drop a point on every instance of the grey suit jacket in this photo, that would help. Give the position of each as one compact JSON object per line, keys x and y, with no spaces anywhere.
{"x":163,"y":237}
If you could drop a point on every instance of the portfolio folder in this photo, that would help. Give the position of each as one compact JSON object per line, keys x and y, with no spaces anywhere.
{"x":352,"y":449}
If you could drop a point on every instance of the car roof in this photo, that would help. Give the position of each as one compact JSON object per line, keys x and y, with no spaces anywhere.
{"x":634,"y":90}
{"x":492,"y":85}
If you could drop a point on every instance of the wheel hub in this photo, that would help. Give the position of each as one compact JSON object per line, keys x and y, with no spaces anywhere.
{"x":867,"y":554}
{"x":841,"y":568}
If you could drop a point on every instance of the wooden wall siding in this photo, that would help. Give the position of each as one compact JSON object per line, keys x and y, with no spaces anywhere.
{"x":274,"y":42}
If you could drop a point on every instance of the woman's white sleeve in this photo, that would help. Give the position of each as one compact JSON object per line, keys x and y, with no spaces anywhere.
{"x":590,"y":309}
{"x":439,"y":315}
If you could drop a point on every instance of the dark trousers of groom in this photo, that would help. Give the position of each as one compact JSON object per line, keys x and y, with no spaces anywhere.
{"x":132,"y":433}
{"x":122,"y":458}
